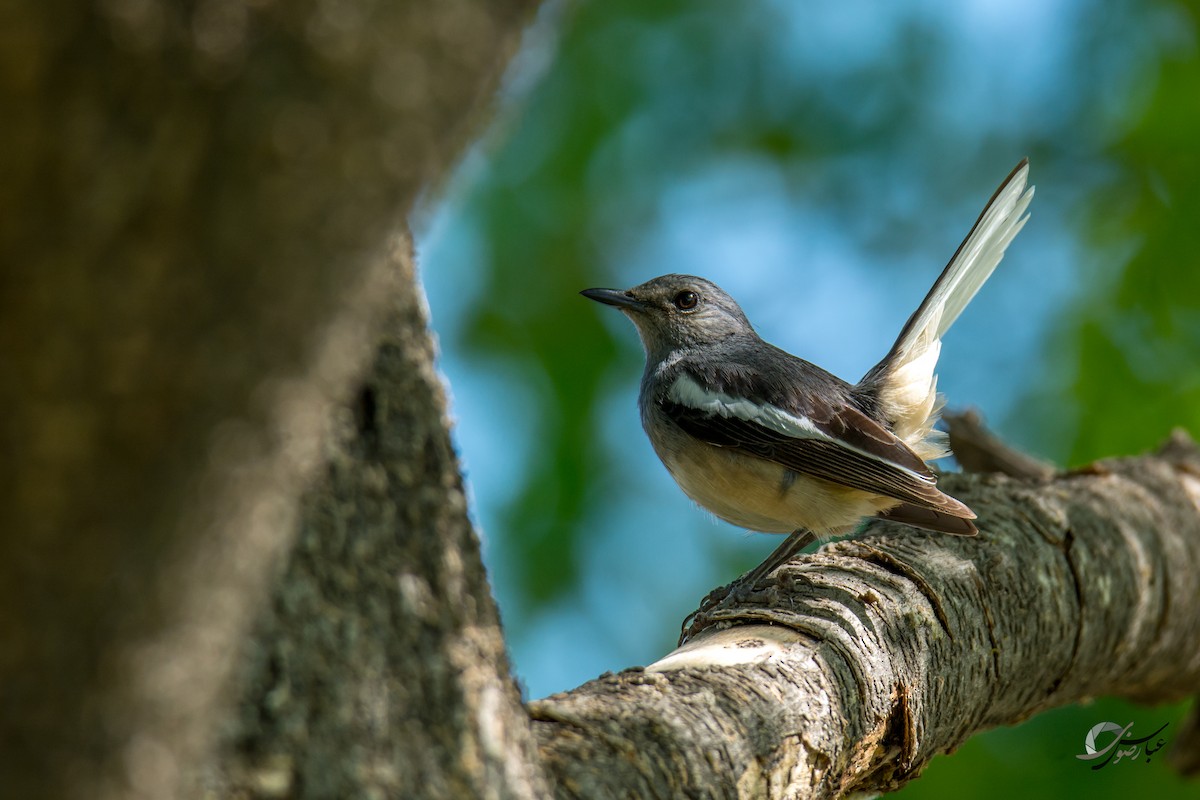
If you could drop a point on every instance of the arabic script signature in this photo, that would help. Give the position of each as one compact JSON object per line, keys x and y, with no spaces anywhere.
{"x":1120,"y":747}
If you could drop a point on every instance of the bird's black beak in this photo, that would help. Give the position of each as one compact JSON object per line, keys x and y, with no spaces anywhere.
{"x":614,"y":297}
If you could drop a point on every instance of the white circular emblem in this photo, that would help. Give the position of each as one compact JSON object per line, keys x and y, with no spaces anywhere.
{"x":1089,"y":742}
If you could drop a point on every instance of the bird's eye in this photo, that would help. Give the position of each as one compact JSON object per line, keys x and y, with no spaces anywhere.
{"x":686,"y":301}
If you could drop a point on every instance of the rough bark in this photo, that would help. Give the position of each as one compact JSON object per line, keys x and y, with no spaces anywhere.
{"x":193,"y":202}
{"x":859,"y":663}
{"x":379,"y":669}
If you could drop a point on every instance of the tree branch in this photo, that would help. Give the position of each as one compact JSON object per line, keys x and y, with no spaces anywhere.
{"x":859,"y":663}
{"x":977,"y":449}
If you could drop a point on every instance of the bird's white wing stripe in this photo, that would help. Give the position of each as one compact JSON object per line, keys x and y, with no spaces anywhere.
{"x":686,"y":391}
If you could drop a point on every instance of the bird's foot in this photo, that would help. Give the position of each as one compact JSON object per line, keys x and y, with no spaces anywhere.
{"x":719,"y":599}
{"x":742,"y":589}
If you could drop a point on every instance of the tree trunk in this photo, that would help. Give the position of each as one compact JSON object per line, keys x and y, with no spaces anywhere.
{"x":379,"y":669}
{"x":193,"y":206}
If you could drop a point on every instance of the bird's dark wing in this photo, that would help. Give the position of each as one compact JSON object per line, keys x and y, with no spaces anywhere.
{"x":821,"y":434}
{"x":930,"y":519}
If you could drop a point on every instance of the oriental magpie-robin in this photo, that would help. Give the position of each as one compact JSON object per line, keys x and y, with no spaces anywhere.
{"x":772,"y":443}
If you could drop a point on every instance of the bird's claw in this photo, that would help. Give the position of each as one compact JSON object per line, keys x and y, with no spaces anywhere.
{"x":719,"y":599}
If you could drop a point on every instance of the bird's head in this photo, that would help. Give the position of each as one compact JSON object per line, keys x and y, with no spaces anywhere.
{"x":674,"y":312}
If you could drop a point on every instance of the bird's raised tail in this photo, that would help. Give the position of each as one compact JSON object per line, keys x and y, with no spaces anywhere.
{"x":903,"y":386}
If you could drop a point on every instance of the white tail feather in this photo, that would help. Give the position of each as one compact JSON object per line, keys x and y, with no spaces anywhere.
{"x":904,"y":383}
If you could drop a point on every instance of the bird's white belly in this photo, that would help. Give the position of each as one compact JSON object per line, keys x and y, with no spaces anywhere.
{"x":763,"y":496}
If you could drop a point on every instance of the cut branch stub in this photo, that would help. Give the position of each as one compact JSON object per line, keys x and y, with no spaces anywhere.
{"x":977,"y":449}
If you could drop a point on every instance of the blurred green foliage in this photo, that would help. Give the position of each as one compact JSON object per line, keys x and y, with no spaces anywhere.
{"x":1137,"y":342}
{"x":889,"y":126}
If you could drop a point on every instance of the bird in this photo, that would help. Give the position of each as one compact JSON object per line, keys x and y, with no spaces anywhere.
{"x":772,"y":443}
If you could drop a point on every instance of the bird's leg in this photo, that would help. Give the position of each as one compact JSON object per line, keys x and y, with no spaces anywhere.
{"x":796,"y":541}
{"x":737,"y":591}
